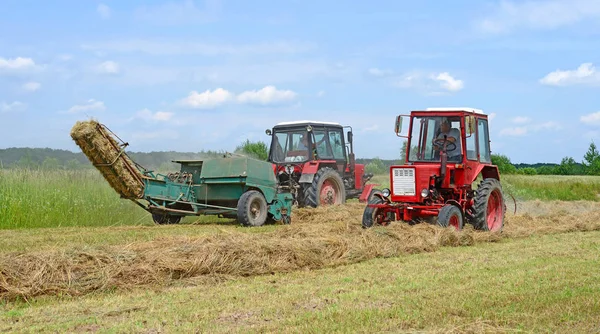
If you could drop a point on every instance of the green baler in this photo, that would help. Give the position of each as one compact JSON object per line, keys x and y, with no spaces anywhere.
{"x":235,"y":187}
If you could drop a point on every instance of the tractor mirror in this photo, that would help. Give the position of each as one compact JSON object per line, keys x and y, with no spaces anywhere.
{"x":470,"y":124}
{"x":309,"y":128}
{"x":268,"y":132}
{"x":398,"y":127}
{"x":350,"y":137}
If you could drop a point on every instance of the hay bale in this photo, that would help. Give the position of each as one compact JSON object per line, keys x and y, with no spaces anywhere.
{"x":103,"y":150}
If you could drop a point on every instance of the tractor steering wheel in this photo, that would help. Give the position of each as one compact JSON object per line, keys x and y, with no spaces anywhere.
{"x":450,"y":146}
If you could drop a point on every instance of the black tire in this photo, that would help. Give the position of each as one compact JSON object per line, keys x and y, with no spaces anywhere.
{"x":165,"y":219}
{"x":311,"y":194}
{"x":369,"y":213}
{"x":488,"y":190}
{"x":252,"y":209}
{"x":373,"y":193}
{"x":451,"y":215}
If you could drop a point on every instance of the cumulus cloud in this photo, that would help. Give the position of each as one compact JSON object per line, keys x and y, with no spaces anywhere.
{"x":104,"y":11}
{"x":449,"y":83}
{"x":430,"y":83}
{"x":592,"y":119}
{"x":18,"y":63}
{"x":13,"y":106}
{"x":158,"y":116}
{"x":509,"y":16}
{"x":90,"y":105}
{"x":207,"y":99}
{"x":514,"y":132}
{"x":268,"y":95}
{"x":108,"y":67}
{"x":585,"y":74}
{"x":31,"y":86}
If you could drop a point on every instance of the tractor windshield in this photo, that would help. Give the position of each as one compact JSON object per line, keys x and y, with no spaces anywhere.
{"x":427,"y":138}
{"x":289,"y":145}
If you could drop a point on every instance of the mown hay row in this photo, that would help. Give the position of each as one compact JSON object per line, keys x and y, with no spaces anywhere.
{"x":318,"y":238}
{"x":102,"y":148}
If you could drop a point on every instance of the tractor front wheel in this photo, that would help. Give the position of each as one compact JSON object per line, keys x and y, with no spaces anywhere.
{"x":488,"y":207}
{"x":450,"y":215}
{"x":252,"y":209}
{"x":374,"y":215}
{"x":165,"y":219}
{"x":327,"y":189}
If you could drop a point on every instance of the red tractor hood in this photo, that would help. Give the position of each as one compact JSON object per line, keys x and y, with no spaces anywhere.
{"x":407,"y":181}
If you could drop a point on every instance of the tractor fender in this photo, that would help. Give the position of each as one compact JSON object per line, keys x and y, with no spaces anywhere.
{"x":306,"y":178}
{"x":487,"y":171}
{"x":311,"y":168}
{"x":385,"y":199}
{"x":364,"y":196}
{"x":455,"y":203}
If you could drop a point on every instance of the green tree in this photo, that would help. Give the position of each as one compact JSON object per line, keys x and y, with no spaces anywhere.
{"x":567,"y":166}
{"x":591,"y":160}
{"x":504,"y":164}
{"x":403,"y":151}
{"x":256,"y":150}
{"x":376,"y":166}
{"x":50,"y":164}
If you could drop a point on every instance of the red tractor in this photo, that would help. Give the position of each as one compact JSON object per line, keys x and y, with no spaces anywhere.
{"x":315,"y":162}
{"x":447,"y":150}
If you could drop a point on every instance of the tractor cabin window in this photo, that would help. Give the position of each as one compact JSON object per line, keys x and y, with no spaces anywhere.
{"x":320,"y":139}
{"x":425,"y":130}
{"x":484,"y":141}
{"x":288,"y":146}
{"x":472,"y":146}
{"x":335,"y":140}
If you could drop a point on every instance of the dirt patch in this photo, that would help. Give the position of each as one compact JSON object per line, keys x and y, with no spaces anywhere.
{"x":317,"y":238}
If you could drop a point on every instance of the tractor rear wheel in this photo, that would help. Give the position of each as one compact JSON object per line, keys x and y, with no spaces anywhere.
{"x":252,"y":209}
{"x":165,"y":219}
{"x":488,"y":207}
{"x":327,"y":189}
{"x":450,"y":215}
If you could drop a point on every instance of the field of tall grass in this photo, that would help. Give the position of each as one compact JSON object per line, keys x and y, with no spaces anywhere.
{"x":35,"y":198}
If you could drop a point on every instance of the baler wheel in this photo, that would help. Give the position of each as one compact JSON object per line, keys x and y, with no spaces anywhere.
{"x":327,"y":189}
{"x":489,"y":207}
{"x":252,"y":209}
{"x":450,"y":215}
{"x":165,"y":219}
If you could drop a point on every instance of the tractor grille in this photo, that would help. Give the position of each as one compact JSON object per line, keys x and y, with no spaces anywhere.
{"x":403,"y":181}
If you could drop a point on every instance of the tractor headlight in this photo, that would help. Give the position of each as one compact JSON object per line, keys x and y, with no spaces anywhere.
{"x":424,"y":192}
{"x":385,"y":192}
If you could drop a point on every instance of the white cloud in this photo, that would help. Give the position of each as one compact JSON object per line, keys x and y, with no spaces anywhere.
{"x":592,"y":119}
{"x":104,"y":11}
{"x":585,"y":74}
{"x":430,"y":83}
{"x":268,"y":95}
{"x":181,"y":12}
{"x":18,"y":63}
{"x":521,"y":120}
{"x":514,"y":132}
{"x":541,"y":15}
{"x":14,"y":106}
{"x":449,"y":83}
{"x":207,"y":99}
{"x":170,"y":47}
{"x":90,"y":105}
{"x":159,"y":116}
{"x":31,"y":86}
{"x":108,"y":67}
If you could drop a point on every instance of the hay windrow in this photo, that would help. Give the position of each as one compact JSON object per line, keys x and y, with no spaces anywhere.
{"x":102,"y":148}
{"x":322,"y":237}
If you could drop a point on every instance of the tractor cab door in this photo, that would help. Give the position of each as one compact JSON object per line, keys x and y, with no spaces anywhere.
{"x":330,"y":145}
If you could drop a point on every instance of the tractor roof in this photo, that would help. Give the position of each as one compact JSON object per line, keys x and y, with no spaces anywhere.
{"x":306,"y":122}
{"x":472,"y":110}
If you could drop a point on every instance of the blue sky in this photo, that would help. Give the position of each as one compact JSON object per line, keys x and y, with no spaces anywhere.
{"x":196,"y":75}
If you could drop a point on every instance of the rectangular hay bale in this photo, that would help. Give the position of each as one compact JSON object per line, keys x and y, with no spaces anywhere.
{"x":103,"y":150}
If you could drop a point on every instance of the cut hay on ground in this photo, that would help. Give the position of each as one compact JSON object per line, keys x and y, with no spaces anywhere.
{"x":317,"y":238}
{"x":103,"y":150}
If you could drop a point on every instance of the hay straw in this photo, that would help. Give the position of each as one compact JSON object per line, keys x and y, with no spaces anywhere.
{"x":101,"y":147}
{"x":317,"y":238}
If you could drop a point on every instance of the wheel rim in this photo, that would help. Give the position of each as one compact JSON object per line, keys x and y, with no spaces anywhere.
{"x":494,"y":211}
{"x":329,"y":193}
{"x":454,"y":222}
{"x":254,"y":210}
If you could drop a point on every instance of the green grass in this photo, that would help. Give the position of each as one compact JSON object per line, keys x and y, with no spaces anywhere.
{"x":547,"y":283}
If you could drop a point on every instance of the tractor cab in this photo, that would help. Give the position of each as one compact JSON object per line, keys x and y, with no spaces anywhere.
{"x":315,"y":160}
{"x":447,"y":150}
